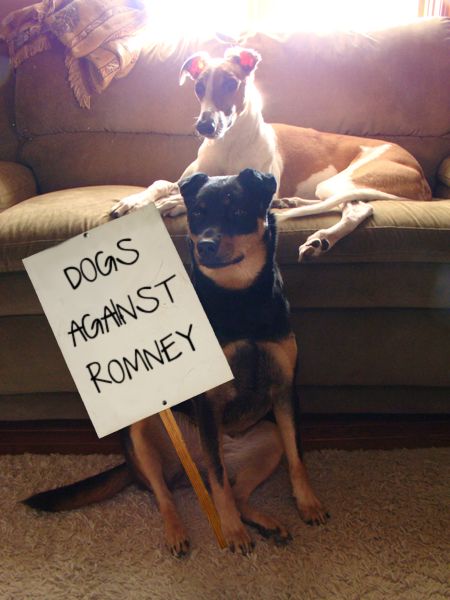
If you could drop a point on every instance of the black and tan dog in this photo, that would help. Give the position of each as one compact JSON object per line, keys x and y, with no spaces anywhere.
{"x":238,"y":431}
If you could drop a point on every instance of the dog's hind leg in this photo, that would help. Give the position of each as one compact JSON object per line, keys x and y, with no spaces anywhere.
{"x":154,"y":461}
{"x":251,"y":459}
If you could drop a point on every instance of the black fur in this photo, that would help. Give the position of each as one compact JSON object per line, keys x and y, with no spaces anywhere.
{"x":261,"y":311}
{"x":83,"y":492}
{"x":220,"y":209}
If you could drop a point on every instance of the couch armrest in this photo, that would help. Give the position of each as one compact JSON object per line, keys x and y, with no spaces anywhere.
{"x":17,"y":183}
{"x":443,"y":176}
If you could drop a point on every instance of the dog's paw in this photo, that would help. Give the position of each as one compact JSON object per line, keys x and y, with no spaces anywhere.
{"x":279,"y":203}
{"x":129,"y":204}
{"x":312,"y":512}
{"x":171,"y":206}
{"x":285,"y":202}
{"x":177,"y":539}
{"x":165,"y":195}
{"x":238,"y":539}
{"x":317,"y":244}
{"x":270,"y":528}
{"x":180,"y":549}
{"x":293,"y":202}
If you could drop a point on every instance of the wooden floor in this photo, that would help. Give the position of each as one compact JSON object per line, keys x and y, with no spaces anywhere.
{"x":347,"y":432}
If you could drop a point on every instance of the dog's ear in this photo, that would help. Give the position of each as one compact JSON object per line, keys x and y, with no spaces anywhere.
{"x":263,"y":185}
{"x":190,"y":186}
{"x":246,"y":58}
{"x":193,"y":66}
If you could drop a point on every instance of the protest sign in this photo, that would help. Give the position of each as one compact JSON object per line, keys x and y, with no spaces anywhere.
{"x":127,"y":319}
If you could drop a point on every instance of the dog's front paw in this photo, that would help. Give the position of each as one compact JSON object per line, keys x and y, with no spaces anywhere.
{"x":129,"y":204}
{"x":312,"y":512}
{"x":238,"y":539}
{"x":165,"y":195}
{"x":283,"y":203}
{"x":177,"y":539}
{"x":317,"y":244}
{"x":180,"y":548}
{"x":293,"y":202}
{"x":171,"y":206}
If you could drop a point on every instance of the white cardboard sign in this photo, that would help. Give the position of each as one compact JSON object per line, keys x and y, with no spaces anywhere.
{"x":127,"y":319}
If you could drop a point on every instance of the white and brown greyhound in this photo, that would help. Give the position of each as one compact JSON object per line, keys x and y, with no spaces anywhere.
{"x":315,"y":171}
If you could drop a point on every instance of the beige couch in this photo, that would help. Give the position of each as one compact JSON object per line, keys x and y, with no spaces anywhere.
{"x":372,"y":316}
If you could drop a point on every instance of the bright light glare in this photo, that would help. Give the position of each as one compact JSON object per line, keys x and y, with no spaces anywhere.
{"x":193,"y":17}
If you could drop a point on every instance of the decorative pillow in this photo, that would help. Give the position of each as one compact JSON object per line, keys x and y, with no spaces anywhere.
{"x":16,"y":184}
{"x":444,"y":171}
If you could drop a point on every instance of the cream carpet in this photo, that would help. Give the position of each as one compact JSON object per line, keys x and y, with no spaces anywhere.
{"x":388,"y":538}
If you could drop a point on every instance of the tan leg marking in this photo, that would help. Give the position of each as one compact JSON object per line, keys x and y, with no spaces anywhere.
{"x":262,"y":450}
{"x":284,"y":353}
{"x":235,"y":532}
{"x":310,"y":508}
{"x":149,"y":443}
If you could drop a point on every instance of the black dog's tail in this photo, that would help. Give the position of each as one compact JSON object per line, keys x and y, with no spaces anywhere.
{"x":93,"y":489}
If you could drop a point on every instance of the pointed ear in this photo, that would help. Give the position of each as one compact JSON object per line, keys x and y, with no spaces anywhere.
{"x":246,"y":58}
{"x":190,"y":186}
{"x":262,"y":185}
{"x":193,"y":66}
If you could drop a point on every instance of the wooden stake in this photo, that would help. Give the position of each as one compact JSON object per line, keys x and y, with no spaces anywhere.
{"x":192,"y":472}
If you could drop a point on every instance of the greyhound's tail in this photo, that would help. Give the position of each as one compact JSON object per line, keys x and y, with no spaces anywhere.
{"x":88,"y":491}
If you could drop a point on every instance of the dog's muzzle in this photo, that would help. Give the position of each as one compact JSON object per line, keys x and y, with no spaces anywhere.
{"x":208,"y":246}
{"x":208,"y":252}
{"x":214,"y":124}
{"x":207,"y":125}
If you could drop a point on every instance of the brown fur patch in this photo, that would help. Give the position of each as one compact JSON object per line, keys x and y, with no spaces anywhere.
{"x":225,"y":100}
{"x":285,"y":354}
{"x":305,"y":152}
{"x":394,"y":172}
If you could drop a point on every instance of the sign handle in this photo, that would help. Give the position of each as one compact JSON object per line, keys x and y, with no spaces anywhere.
{"x":192,"y":472}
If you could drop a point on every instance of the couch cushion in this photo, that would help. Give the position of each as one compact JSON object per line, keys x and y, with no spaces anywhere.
{"x":46,"y":220}
{"x":402,"y":231}
{"x":380,"y":347}
{"x":338,"y":77}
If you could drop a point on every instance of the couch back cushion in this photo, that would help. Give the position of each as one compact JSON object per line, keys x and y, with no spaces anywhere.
{"x":392,"y":84}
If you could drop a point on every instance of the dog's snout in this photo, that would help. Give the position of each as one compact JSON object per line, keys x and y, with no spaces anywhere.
{"x":208,"y":245}
{"x":208,"y":248}
{"x":206,"y":124}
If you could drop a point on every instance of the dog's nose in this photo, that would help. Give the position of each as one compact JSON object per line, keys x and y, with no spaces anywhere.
{"x":206,"y":124}
{"x":207,"y":247}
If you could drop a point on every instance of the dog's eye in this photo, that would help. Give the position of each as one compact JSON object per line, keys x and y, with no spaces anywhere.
{"x":197,"y":213}
{"x":230,"y":85}
{"x":200,"y":89}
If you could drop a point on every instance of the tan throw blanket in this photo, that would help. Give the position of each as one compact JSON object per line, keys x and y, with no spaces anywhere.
{"x":99,"y":35}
